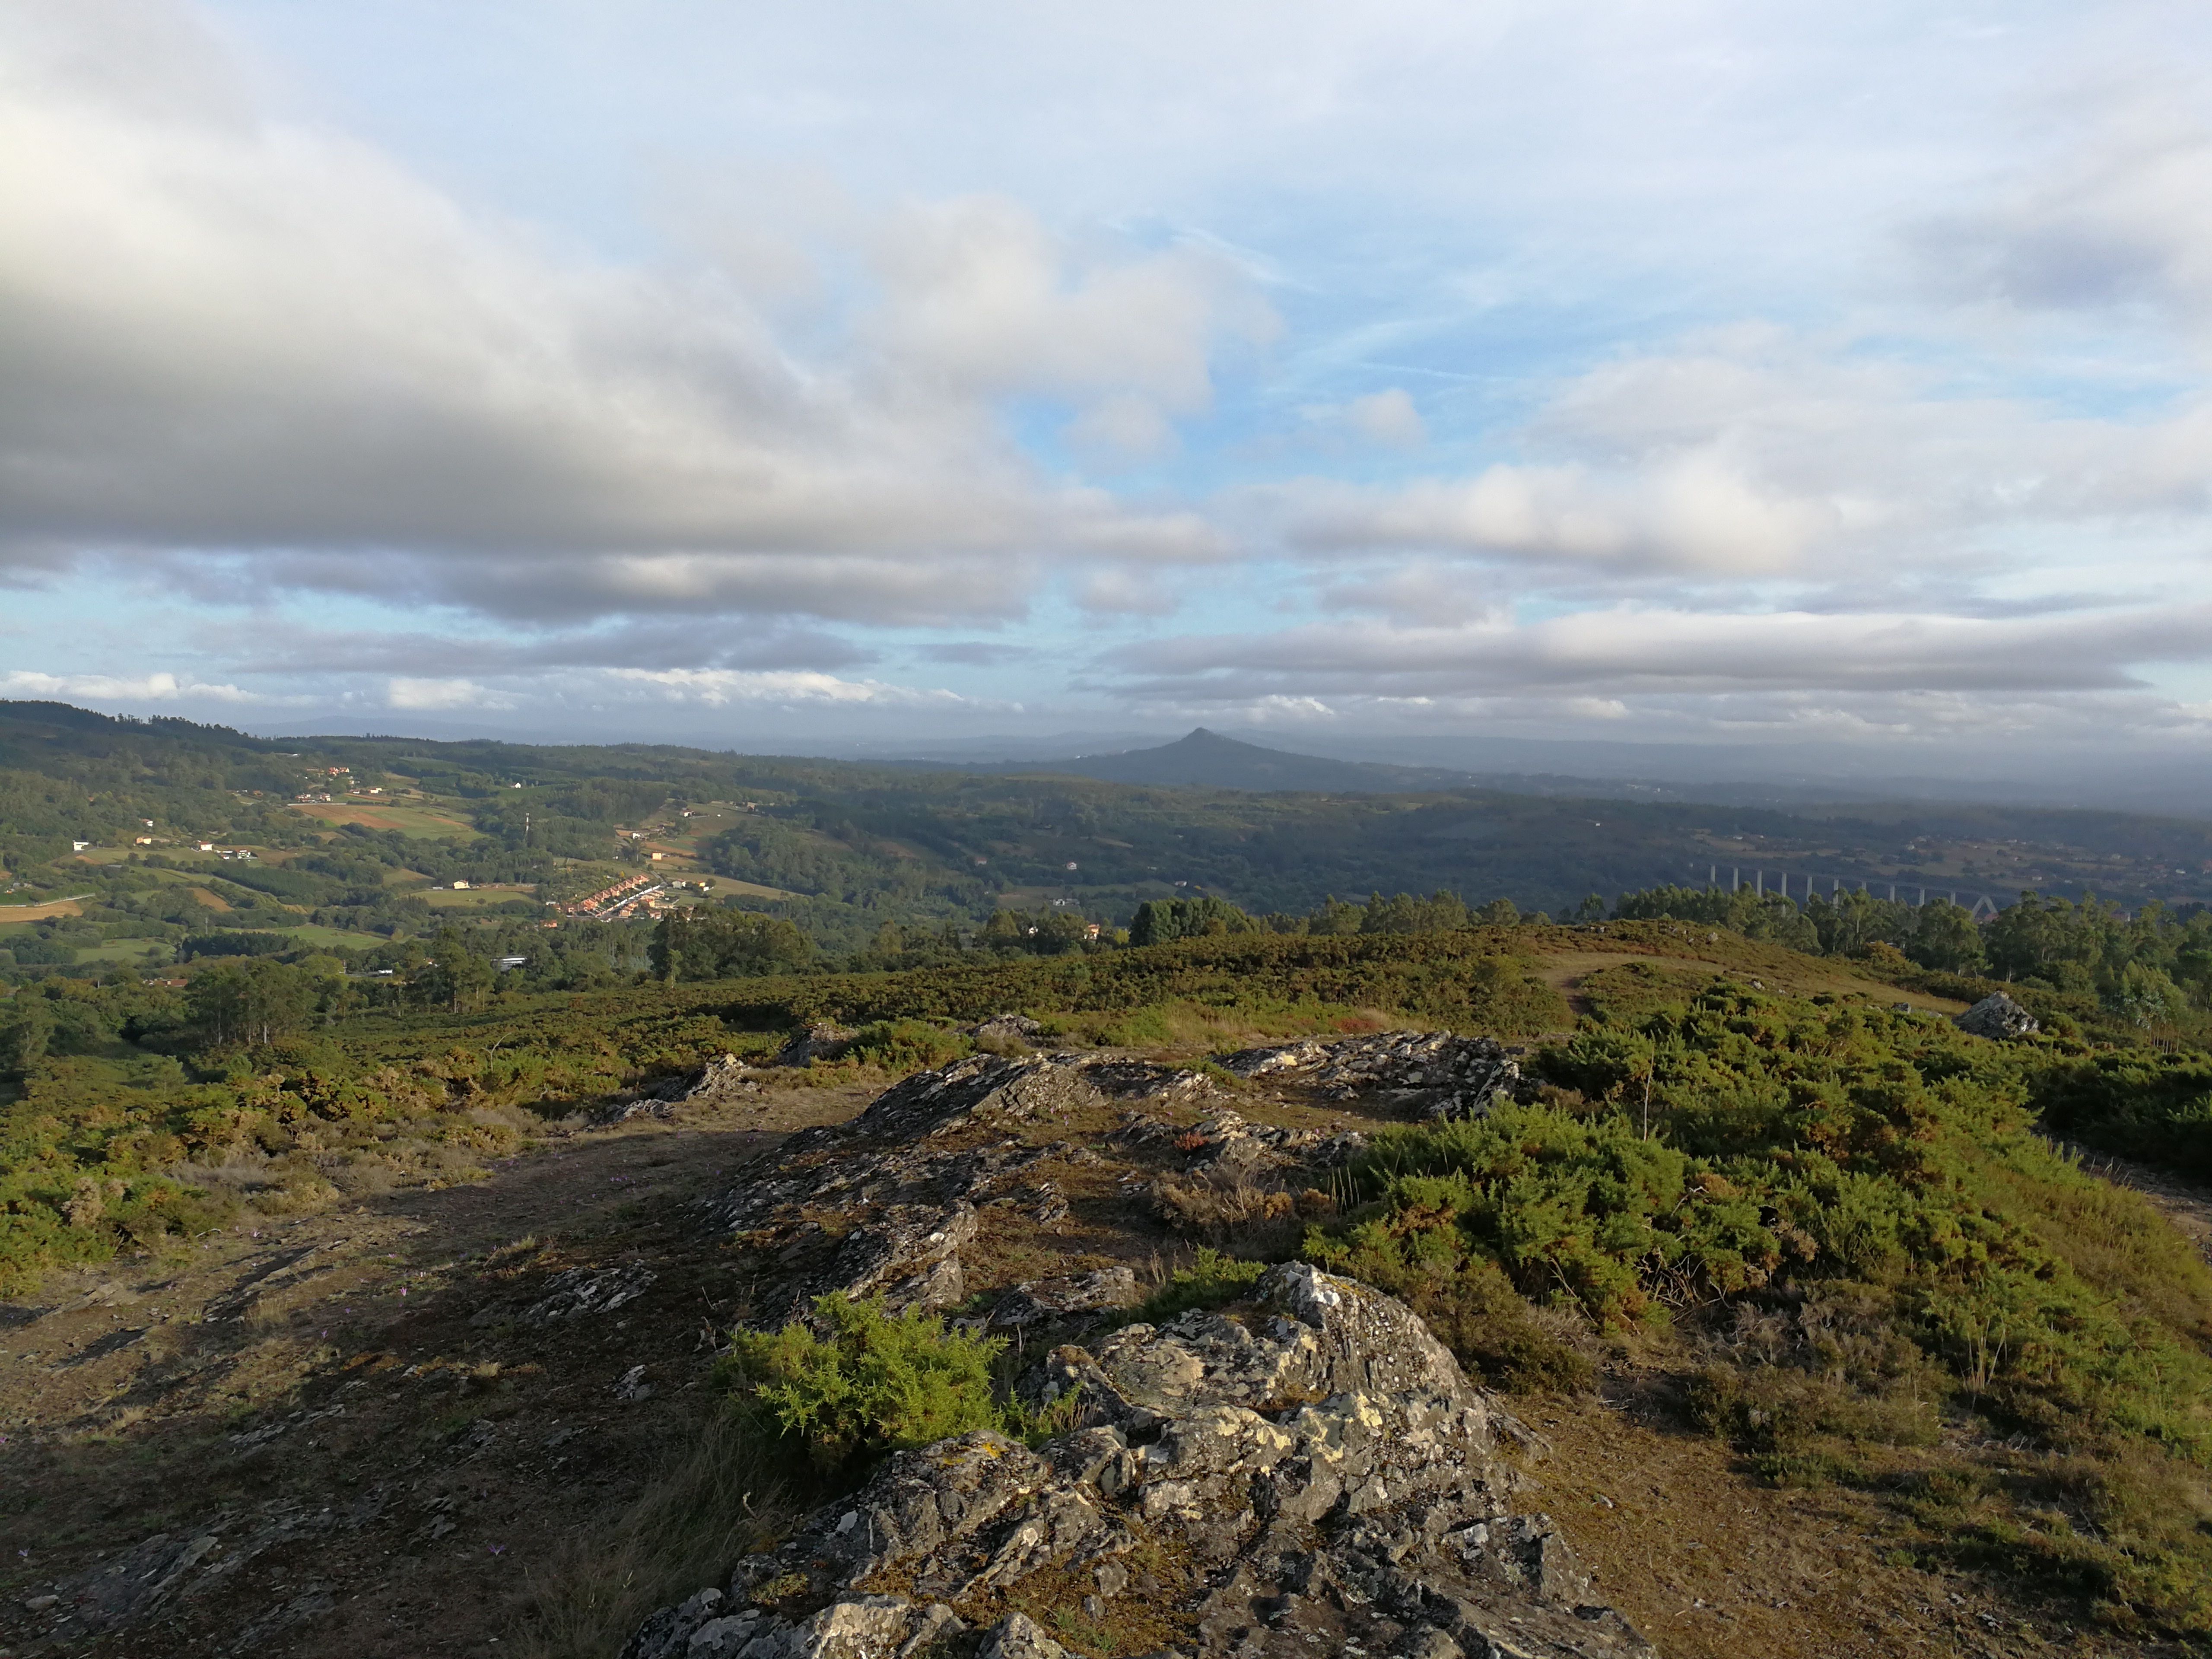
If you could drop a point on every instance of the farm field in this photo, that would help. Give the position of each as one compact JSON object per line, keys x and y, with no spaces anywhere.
{"x":51,"y":909}
{"x":472,"y":898}
{"x":425,"y":822}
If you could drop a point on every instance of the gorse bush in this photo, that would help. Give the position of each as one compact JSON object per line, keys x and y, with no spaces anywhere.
{"x":1867,"y":1193}
{"x":867,"y":1381}
{"x":907,"y":1045}
{"x":1215,"y":1277}
{"x":2135,"y":1102}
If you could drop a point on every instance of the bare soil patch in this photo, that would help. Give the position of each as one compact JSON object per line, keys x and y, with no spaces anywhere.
{"x":356,"y":1400}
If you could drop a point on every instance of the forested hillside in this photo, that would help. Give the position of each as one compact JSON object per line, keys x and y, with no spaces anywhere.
{"x":199,"y":840}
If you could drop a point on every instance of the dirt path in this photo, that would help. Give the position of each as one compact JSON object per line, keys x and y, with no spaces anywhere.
{"x":2188,"y":1207}
{"x":355,"y":1409}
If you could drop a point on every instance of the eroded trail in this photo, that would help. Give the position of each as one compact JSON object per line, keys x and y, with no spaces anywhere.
{"x":2188,"y":1206}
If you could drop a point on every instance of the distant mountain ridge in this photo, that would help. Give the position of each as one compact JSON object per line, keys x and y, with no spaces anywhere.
{"x":1207,"y":760}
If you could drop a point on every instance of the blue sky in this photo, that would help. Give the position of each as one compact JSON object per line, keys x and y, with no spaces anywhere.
{"x":1737,"y":372}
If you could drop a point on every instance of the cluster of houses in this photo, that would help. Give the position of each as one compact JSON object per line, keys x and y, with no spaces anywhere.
{"x":594,"y":904}
{"x":640,"y":892}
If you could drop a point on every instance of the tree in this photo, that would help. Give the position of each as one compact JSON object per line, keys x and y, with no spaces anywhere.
{"x":28,"y":1031}
{"x":1045,"y":933}
{"x":2048,"y":939}
{"x":1162,"y":922}
{"x":1848,"y":922}
{"x":252,"y":1001}
{"x":697,"y":944}
{"x":1334,"y":917}
{"x":1755,"y":916}
{"x":1441,"y":912}
{"x":2146,"y":997}
{"x":456,"y":978}
{"x":1944,"y":938}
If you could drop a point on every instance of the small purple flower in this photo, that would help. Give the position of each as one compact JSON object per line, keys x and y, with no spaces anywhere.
{"x":499,"y":1549}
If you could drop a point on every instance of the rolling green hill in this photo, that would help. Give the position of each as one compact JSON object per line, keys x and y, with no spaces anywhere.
{"x":846,"y":849}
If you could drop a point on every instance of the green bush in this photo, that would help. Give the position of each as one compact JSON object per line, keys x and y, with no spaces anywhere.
{"x":2135,"y":1102}
{"x":907,"y":1045}
{"x":1213,"y":1280}
{"x":1865,"y":1196}
{"x":867,"y":1381}
{"x":1470,"y":1307}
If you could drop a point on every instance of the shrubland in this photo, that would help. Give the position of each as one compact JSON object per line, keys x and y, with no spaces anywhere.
{"x":1842,"y":1229}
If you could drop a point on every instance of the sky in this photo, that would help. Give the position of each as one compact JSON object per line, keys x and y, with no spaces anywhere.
{"x":1668,"y":371}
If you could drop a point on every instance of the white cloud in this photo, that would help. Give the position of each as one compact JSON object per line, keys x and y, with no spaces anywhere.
{"x":404,"y":692}
{"x":229,"y":331}
{"x":978,"y":296}
{"x":1622,"y":652}
{"x":2119,"y":214}
{"x":1130,"y":592}
{"x":1387,"y":418}
{"x":1125,"y":425}
{"x":716,"y":687}
{"x":110,"y":689}
{"x":1755,"y":452}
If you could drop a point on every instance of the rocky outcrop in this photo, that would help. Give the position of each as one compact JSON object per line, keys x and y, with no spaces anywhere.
{"x":886,"y":1203}
{"x":147,"y":1579}
{"x":1307,"y":1472}
{"x":1007,"y":1029}
{"x":724,"y":1077}
{"x":1043,"y":1301}
{"x":1441,"y":1075}
{"x":1313,"y":1475}
{"x":580,"y":1291}
{"x":1999,"y":1019}
{"x":820,"y":1041}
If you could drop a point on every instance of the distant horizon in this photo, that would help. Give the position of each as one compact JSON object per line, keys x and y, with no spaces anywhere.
{"x":1799,"y":774}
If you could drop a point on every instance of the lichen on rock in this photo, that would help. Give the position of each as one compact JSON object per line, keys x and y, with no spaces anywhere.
{"x":1304,"y":1473}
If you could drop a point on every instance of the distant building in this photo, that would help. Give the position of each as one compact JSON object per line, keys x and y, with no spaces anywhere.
{"x":79,"y":846}
{"x":460,"y":887}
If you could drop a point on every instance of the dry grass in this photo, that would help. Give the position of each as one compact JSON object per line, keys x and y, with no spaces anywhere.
{"x":720,"y":1495}
{"x":1260,"y":1221}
